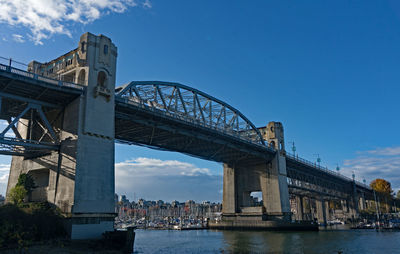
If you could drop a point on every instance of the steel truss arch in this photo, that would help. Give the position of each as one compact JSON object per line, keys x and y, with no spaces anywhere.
{"x":192,"y":105}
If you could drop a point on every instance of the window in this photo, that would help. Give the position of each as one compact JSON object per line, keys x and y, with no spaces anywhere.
{"x":102,"y":79}
{"x":83,"y":47}
{"x":82,"y":77}
{"x":105,"y":49}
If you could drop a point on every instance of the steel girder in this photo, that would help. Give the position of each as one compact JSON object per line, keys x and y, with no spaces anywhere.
{"x":190,"y":105}
{"x":31,"y":145}
{"x":25,"y":95}
{"x":140,"y":126}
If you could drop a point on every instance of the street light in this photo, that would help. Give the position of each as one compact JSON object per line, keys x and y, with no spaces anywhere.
{"x":318,"y":159}
{"x":293,"y":148}
{"x":337,"y":167}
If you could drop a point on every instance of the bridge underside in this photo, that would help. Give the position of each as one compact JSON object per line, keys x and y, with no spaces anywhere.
{"x":134,"y":125}
{"x":24,"y":98}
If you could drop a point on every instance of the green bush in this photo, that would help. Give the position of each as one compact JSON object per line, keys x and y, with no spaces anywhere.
{"x":27,"y":182}
{"x":17,"y":194}
{"x":20,"y":225}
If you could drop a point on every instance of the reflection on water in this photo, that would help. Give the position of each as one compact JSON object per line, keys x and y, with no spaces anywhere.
{"x":212,"y":241}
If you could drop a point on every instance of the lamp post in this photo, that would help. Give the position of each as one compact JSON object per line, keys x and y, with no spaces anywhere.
{"x":337,"y":167}
{"x":318,"y":159}
{"x":376,"y":208}
{"x":293,"y":148}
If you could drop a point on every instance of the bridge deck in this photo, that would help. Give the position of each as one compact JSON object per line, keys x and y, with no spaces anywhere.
{"x":150,"y":128}
{"x":17,"y":88}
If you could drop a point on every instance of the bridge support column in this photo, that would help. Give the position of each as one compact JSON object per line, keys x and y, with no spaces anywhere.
{"x":351,"y":206}
{"x":307,"y":213}
{"x":275,"y":190}
{"x":79,"y":178}
{"x":229,"y":198}
{"x":321,"y":211}
{"x":270,"y":177}
{"x":362,"y":205}
{"x":327,"y":214}
{"x":299,"y":208}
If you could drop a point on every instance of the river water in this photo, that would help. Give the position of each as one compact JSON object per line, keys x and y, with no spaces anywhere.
{"x":213,"y":241}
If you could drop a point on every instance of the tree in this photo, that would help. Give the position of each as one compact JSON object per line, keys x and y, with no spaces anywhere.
{"x":382,"y":187}
{"x":17,"y":194}
{"x":27,"y":182}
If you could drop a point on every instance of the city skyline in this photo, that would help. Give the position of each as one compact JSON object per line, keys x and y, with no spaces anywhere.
{"x":328,"y":72}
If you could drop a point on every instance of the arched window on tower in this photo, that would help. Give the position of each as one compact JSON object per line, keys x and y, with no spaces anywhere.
{"x":105,"y":49}
{"x":83,"y":47}
{"x":82,"y":77}
{"x":272,"y":144}
{"x":102,"y":79}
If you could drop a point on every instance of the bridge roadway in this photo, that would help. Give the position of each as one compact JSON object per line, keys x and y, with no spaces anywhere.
{"x":140,"y":122}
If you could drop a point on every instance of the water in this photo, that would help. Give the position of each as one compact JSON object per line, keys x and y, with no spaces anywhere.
{"x":213,"y":241}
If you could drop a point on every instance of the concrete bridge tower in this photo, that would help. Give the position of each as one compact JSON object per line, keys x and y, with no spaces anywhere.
{"x":269,"y":177}
{"x":274,"y":183}
{"x":79,"y":178}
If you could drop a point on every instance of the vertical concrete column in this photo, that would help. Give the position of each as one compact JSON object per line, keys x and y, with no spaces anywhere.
{"x":299,"y":208}
{"x":321,"y":212}
{"x":355,"y":200}
{"x":351,"y":208}
{"x":275,"y":192}
{"x":306,"y":208}
{"x":361,"y":201}
{"x":229,"y":199}
{"x":327,"y":214}
{"x":93,"y":210}
{"x":80,"y":179}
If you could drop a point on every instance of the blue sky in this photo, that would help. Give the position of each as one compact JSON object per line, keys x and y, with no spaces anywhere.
{"x":328,"y":70}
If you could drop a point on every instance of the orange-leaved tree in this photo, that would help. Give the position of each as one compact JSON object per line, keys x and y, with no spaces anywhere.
{"x":384,"y":189}
{"x":382,"y":186}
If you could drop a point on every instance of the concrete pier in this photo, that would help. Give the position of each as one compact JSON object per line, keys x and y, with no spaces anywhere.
{"x":79,"y":178}
{"x":270,"y":178}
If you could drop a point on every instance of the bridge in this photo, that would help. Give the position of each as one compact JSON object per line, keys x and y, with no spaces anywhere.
{"x":66,"y":115}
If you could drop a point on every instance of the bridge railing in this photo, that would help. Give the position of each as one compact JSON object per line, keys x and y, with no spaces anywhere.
{"x":325,"y":170}
{"x":6,"y":65}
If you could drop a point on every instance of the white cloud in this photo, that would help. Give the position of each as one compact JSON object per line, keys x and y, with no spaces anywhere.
{"x":148,"y":166}
{"x":3,"y":182}
{"x":4,"y":178}
{"x":388,"y":151}
{"x":4,"y":167}
{"x":18,"y":38}
{"x":147,"y":4}
{"x":379,"y":163}
{"x":166,"y":179}
{"x":46,"y":17}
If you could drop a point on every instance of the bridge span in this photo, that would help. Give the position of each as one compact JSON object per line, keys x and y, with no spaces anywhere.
{"x":66,"y":116}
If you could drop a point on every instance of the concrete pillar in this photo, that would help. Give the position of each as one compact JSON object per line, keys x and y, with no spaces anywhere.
{"x":299,"y":208}
{"x":275,"y":192}
{"x":229,"y":196}
{"x":81,"y":178}
{"x":355,"y":200}
{"x":321,"y":211}
{"x":307,"y":214}
{"x":351,"y":208}
{"x":327,"y":214}
{"x":345,"y":207}
{"x":362,"y":205}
